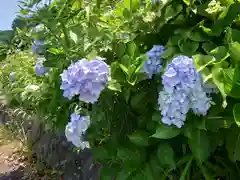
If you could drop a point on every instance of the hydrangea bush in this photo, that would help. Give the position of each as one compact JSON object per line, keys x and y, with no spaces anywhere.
{"x":162,"y":102}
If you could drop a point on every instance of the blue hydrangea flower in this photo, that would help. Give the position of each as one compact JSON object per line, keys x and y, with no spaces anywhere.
{"x":38,"y":47}
{"x":153,"y":64}
{"x":12,"y":76}
{"x":182,"y":90}
{"x":39,"y":68}
{"x":86,"y":79}
{"x":200,"y":102}
{"x":76,"y":129}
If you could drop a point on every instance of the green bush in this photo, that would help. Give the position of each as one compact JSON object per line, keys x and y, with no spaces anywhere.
{"x":127,"y":133}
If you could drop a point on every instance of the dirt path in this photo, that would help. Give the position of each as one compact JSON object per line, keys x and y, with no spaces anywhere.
{"x":11,"y":158}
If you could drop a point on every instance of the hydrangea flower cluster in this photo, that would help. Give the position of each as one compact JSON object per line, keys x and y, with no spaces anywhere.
{"x":153,"y":64}
{"x":182,"y":90}
{"x":86,"y":79}
{"x":39,"y":68}
{"x":76,"y":129}
{"x":38,"y":47}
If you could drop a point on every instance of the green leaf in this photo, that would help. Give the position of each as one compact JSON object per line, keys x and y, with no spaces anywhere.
{"x":131,"y":156}
{"x":228,"y":76}
{"x":235,"y":51}
{"x":173,"y":41}
{"x":236,"y":113}
{"x":131,"y":49}
{"x":100,"y":153}
{"x":140,"y":138}
{"x":107,"y":173}
{"x":114,"y":85}
{"x":73,"y":36}
{"x":77,"y":4}
{"x":198,"y":36}
{"x":202,"y":61}
{"x":165,"y":155}
{"x":166,"y":132}
{"x":208,"y":46}
{"x":138,"y":99}
{"x":124,"y":68}
{"x":218,"y":79}
{"x":138,"y":62}
{"x":188,"y":47}
{"x":92,"y":55}
{"x":131,"y":4}
{"x":119,"y":49}
{"x":226,"y":18}
{"x":235,"y":82}
{"x":233,"y":143}
{"x":157,"y":117}
{"x":144,"y":174}
{"x":186,"y":169}
{"x":123,"y":174}
{"x":199,"y":145}
{"x":220,"y":53}
{"x":235,"y":35}
{"x":171,"y":11}
{"x":56,"y":51}
{"x":215,"y":123}
{"x":169,"y":52}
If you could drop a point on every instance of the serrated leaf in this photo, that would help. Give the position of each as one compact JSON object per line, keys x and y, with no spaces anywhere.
{"x":166,"y":132}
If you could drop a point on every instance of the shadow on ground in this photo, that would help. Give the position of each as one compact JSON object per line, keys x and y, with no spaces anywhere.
{"x":17,"y":174}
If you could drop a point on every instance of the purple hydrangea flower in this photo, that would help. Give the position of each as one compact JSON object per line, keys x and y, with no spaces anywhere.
{"x":38,"y":47}
{"x":39,"y":68}
{"x":86,"y":79}
{"x":153,"y":64}
{"x":182,"y":90}
{"x":76,"y":129}
{"x":12,"y":76}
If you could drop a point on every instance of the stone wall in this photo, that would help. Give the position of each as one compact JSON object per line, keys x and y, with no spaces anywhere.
{"x":52,"y":148}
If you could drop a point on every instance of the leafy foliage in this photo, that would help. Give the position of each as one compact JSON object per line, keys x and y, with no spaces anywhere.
{"x":126,"y":134}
